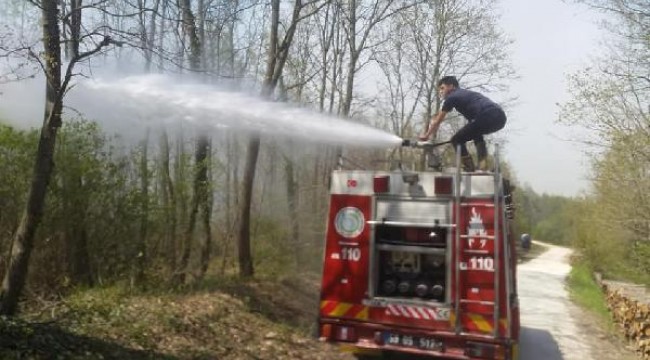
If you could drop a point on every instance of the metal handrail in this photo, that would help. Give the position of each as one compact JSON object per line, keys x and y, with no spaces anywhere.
{"x":409,"y":223}
{"x":457,"y":243}
{"x":497,"y":245}
{"x":506,"y":239}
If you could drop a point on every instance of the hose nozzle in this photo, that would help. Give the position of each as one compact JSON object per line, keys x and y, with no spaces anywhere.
{"x":415,"y":143}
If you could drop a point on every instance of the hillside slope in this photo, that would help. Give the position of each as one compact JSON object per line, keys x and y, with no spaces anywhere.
{"x":227,"y":320}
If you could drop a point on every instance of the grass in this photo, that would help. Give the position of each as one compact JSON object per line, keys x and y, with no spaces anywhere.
{"x":586,"y":292}
{"x":622,"y":269}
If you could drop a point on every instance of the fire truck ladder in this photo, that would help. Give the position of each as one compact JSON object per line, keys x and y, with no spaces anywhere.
{"x":461,"y":240}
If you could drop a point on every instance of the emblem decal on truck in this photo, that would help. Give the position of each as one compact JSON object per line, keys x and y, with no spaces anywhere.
{"x":349,"y":222}
{"x":476,"y":228}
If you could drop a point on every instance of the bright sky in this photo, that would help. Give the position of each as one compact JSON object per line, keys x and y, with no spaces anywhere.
{"x":553,"y":38}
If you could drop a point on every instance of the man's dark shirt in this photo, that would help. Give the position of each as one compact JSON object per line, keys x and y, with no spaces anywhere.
{"x":468,"y":103}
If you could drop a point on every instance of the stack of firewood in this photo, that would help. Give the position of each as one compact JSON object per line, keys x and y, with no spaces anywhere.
{"x":631,"y":315}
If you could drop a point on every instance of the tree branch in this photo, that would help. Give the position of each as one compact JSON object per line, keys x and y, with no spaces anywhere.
{"x":68,"y":73}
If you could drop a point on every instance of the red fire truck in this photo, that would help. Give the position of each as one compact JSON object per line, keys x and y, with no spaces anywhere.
{"x":420,"y":263}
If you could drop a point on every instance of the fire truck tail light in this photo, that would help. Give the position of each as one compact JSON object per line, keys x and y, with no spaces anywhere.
{"x":484,"y":351}
{"x":345,"y":333}
{"x":443,"y":185}
{"x":381,"y":184}
{"x":326,"y":331}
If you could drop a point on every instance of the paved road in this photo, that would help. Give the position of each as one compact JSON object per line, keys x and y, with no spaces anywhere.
{"x":549,"y":331}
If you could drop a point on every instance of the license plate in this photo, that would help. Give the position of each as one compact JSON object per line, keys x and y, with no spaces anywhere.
{"x":418,"y":342}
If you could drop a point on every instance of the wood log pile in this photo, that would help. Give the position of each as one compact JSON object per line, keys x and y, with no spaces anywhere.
{"x":630,"y":307}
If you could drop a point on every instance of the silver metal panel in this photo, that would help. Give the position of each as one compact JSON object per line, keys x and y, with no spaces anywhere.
{"x":477,"y":185}
{"x":413,"y":211}
{"x":360,"y":182}
{"x":424,"y":187}
{"x":356,"y":182}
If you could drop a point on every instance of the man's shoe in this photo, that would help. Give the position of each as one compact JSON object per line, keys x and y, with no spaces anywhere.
{"x":483,"y":165}
{"x":467,"y":163}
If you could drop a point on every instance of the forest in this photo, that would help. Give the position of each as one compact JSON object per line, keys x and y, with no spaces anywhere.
{"x":177,"y":202}
{"x":169,"y":206}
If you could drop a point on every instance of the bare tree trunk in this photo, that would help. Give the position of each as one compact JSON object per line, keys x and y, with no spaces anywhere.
{"x":23,"y":240}
{"x":181,"y":196}
{"x":229,"y":182}
{"x":163,"y":17}
{"x":277,"y":57}
{"x":151,"y":36}
{"x":201,"y":32}
{"x":75,"y":28}
{"x":207,"y":213}
{"x":147,"y":36}
{"x":191,"y":32}
{"x":169,"y":200}
{"x":141,"y":256}
{"x":327,"y":33}
{"x":292,"y":203}
{"x":244,"y":245}
{"x":232,"y":199}
{"x":253,"y":148}
{"x":200,"y":193}
{"x":75,"y":234}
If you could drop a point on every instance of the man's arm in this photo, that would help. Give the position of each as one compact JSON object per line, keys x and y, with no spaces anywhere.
{"x":434,"y":125}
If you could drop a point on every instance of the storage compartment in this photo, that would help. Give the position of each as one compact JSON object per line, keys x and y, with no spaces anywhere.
{"x":411,"y":257}
{"x":405,"y":272}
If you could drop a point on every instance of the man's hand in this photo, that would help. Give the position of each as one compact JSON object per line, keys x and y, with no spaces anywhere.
{"x":432,"y":130}
{"x":433,"y":126}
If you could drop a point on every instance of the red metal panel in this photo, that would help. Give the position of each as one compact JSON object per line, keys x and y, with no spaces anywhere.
{"x":345,"y":275}
{"x":480,"y":293}
{"x":479,"y":266}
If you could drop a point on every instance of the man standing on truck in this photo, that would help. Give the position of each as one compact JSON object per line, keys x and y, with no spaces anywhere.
{"x":484,"y":117}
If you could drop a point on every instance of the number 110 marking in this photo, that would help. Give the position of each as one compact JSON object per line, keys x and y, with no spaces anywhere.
{"x":481,"y":263}
{"x":351,"y":254}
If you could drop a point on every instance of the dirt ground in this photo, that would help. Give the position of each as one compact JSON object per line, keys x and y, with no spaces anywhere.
{"x":238,"y":320}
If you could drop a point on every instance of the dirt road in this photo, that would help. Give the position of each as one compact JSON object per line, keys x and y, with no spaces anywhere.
{"x":553,"y":328}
